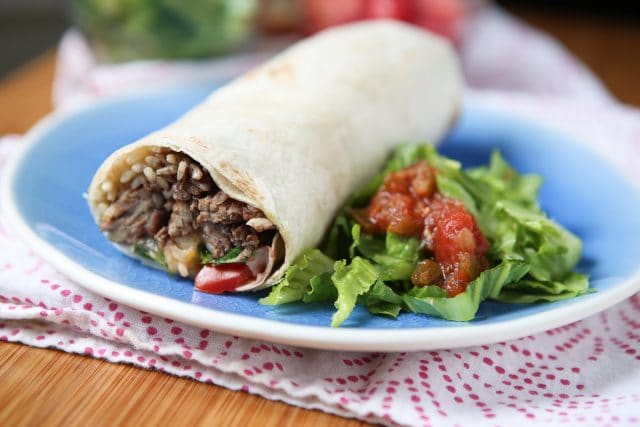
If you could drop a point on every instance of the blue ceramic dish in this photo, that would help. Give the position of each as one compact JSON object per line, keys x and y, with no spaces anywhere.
{"x":44,"y":190}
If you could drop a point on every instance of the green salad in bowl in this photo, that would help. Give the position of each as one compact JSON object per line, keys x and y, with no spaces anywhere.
{"x":122,"y":30}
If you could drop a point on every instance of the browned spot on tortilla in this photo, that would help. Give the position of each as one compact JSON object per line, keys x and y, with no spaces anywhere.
{"x":283,"y":71}
{"x":197,"y":141}
{"x":454,"y":117}
{"x":408,"y":55}
{"x":240,"y":180}
{"x":250,"y":75}
{"x":262,"y":135}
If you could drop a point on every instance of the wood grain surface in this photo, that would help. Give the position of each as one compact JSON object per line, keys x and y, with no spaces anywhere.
{"x":609,"y":46}
{"x":46,"y":387}
{"x":25,"y":95}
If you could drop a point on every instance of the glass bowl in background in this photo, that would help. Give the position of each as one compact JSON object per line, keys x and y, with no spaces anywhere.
{"x":122,"y":30}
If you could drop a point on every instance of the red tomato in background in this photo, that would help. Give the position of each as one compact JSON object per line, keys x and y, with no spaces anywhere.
{"x":393,"y":9}
{"x":443,"y":17}
{"x":321,"y":14}
{"x":440,"y":16}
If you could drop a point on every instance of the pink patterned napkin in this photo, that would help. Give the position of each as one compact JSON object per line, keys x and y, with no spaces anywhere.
{"x":585,"y":373}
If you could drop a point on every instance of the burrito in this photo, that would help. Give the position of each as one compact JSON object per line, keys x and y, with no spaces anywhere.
{"x":234,"y":190}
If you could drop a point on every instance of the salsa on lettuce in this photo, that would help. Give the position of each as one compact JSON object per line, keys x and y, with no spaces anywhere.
{"x":426,"y":236}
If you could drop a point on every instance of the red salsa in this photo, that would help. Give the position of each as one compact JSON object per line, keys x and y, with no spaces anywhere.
{"x":408,"y":204}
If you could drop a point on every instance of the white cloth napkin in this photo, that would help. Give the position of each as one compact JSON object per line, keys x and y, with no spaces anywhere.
{"x":586,"y":373}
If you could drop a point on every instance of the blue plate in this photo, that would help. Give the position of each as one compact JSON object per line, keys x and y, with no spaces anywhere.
{"x":44,"y":198}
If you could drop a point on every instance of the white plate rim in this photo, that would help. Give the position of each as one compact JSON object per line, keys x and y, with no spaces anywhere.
{"x":323,"y":338}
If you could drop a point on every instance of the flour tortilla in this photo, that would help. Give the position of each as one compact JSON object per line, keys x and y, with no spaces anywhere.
{"x":297,"y":135}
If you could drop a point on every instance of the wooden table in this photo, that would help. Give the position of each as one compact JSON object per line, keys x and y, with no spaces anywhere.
{"x":47,"y":386}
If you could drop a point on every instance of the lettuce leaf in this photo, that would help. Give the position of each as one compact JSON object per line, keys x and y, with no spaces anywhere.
{"x":338,"y":240}
{"x":150,"y":250}
{"x":549,"y":249}
{"x":463,"y":307}
{"x":381,"y":299}
{"x":530,"y":291}
{"x":322,"y":288}
{"x":351,"y":281}
{"x":297,"y":282}
{"x":207,"y":258}
{"x":394,"y":256}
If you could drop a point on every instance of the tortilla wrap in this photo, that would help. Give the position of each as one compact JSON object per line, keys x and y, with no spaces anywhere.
{"x":300,"y":133}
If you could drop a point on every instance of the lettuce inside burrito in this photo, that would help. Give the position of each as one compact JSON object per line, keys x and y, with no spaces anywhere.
{"x":426,"y":236}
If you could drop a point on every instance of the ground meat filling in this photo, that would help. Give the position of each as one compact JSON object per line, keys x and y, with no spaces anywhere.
{"x":222,"y":222}
{"x":136,"y":215}
{"x":168,"y":197}
{"x":181,"y":221}
{"x":220,"y":209}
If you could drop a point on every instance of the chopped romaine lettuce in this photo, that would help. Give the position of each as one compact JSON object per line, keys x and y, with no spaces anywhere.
{"x":207,"y":258}
{"x":351,"y":281}
{"x":149,"y":250}
{"x":124,"y":30}
{"x":529,"y":290}
{"x":297,"y":280}
{"x":434,"y":301}
{"x":531,"y":257}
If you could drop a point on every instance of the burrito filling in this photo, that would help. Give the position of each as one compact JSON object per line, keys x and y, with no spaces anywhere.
{"x":166,"y":208}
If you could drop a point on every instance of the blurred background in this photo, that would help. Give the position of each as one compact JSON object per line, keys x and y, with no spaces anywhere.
{"x":605,"y":35}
